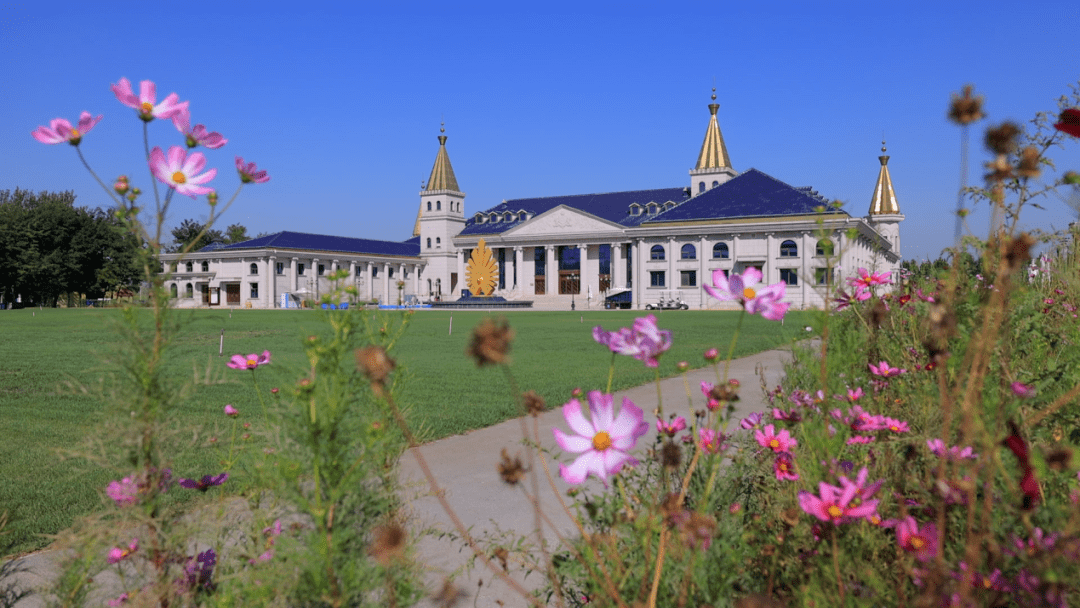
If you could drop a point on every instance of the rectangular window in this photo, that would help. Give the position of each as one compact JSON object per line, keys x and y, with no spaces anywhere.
{"x":322,"y":269}
{"x":688,"y":278}
{"x":280,"y":267}
{"x":374,"y":271}
{"x":789,"y":276}
{"x":359,"y":270}
{"x":822,"y":276}
{"x":656,"y":278}
{"x":300,"y":269}
{"x":254,"y":290}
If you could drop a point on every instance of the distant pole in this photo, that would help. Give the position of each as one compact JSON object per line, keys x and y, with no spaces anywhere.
{"x":451,"y":331}
{"x":582,"y":319}
{"x":221,"y":345}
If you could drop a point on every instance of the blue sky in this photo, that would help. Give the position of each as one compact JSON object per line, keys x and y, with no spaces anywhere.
{"x":341,"y":102}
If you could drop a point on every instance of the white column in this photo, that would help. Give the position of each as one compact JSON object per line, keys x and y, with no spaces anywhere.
{"x":460,"y":273}
{"x":315,"y":278}
{"x":351,"y":281}
{"x":416,"y":280}
{"x":370,"y":281}
{"x":583,"y":266}
{"x":618,"y":266}
{"x":771,"y":254}
{"x":671,"y":283}
{"x":519,"y":266}
{"x":639,"y":273}
{"x":271,"y":281}
{"x":386,"y":283}
{"x":806,"y":274}
{"x":703,"y":267}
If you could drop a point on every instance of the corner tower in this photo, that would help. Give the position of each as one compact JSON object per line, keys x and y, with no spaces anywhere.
{"x":713,"y":165}
{"x":884,"y":213}
{"x":440,"y":218}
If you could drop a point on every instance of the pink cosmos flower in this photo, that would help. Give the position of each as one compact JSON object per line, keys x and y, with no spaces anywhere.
{"x":199,"y":136}
{"x":250,"y":173}
{"x":894,"y":425}
{"x":710,"y":440}
{"x":1022,"y":390}
{"x":867,"y":279}
{"x":249,"y":362}
{"x":59,"y":130}
{"x":119,"y":600}
{"x":844,"y":300}
{"x":751,"y":421}
{"x":644,"y":341}
{"x":671,"y":427}
{"x":938,"y":448}
{"x":740,"y":288}
{"x":124,"y":492}
{"x":883,"y":370}
{"x":271,"y":533}
{"x":231,"y":411}
{"x":834,"y":504}
{"x":859,"y":439}
{"x":119,"y":553}
{"x":786,"y":415}
{"x":144,"y":102}
{"x":179,"y":170}
{"x":784,"y":467}
{"x":920,"y":541}
{"x":852,"y":395}
{"x":777,"y":442}
{"x":604,"y":442}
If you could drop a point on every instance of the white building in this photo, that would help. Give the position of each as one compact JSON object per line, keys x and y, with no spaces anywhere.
{"x":655,"y":244}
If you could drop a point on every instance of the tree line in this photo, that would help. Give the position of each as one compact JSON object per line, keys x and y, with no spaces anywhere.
{"x":50,"y":248}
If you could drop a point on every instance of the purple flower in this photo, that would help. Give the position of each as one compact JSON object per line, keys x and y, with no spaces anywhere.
{"x":740,"y":288}
{"x":205,"y":483}
{"x":200,"y":135}
{"x":198,"y":570}
{"x":1022,"y":390}
{"x":249,"y":362}
{"x":144,"y":103}
{"x":250,"y":173}
{"x":60,"y":130}
{"x":117,"y":554}
{"x":920,"y":541}
{"x":885,"y":371}
{"x":604,"y":442}
{"x":231,"y":411}
{"x":671,"y":427}
{"x":644,"y":341}
{"x":752,"y":421}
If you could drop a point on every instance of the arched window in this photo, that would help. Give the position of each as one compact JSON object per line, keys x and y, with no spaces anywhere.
{"x":701,"y":187}
{"x":715,"y":184}
{"x":689,"y":252}
{"x":429,"y":205}
{"x":824,"y":247}
{"x":254,"y":268}
{"x":429,"y":243}
{"x":788,"y":249}
{"x":438,"y":240}
{"x":206,"y":266}
{"x":657,"y":252}
{"x":189,"y":292}
{"x":172,"y":290}
{"x":438,"y":205}
{"x":720,"y":251}
{"x":188,"y":266}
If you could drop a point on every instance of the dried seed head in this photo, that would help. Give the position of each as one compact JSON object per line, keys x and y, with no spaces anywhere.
{"x":375,"y":363}
{"x":671,"y":455}
{"x":878,"y":313}
{"x":1017,"y":251}
{"x":1059,"y":459}
{"x":491,"y":342}
{"x":501,"y":554}
{"x":757,"y":600}
{"x":998,"y":169}
{"x":1029,"y":162}
{"x":725,"y":392}
{"x":1002,"y":139}
{"x":510,"y":469}
{"x":534,"y":404}
{"x":388,"y":544}
{"x":966,"y":108}
{"x":671,"y":508}
{"x":448,"y":594}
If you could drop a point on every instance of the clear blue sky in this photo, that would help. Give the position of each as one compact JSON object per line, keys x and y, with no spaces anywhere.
{"x":341,"y":102}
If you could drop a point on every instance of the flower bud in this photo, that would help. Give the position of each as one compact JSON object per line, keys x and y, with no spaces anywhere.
{"x":577,"y":392}
{"x":712,"y":355}
{"x":682,"y":366}
{"x":212,"y":197}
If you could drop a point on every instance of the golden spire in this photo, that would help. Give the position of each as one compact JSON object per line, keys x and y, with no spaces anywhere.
{"x":442,"y":174}
{"x":713,"y":151}
{"x":884,"y":201}
{"x":419,"y":212}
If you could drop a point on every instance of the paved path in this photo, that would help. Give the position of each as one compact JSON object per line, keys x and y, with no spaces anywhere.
{"x":465,"y":467}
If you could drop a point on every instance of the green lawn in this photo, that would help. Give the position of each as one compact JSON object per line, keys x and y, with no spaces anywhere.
{"x":41,"y":350}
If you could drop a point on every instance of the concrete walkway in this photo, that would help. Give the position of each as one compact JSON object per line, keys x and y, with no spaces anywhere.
{"x":465,"y":468}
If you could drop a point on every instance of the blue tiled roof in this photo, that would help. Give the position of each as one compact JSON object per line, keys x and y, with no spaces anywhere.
{"x":611,"y":206}
{"x":751,"y":194}
{"x":322,"y":242}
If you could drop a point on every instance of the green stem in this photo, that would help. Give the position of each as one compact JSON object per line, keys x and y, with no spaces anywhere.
{"x":659,"y":396}
{"x":731,"y":349}
{"x":111,"y":193}
{"x":153,"y":180}
{"x":262,"y":402}
{"x":610,"y":374}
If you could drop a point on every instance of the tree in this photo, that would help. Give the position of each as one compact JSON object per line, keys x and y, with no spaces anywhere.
{"x":191,"y":232}
{"x":236,"y":233}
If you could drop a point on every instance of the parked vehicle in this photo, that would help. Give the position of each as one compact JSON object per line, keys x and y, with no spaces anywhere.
{"x":670,"y":303}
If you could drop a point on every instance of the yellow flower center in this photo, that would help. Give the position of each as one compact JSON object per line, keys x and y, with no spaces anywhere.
{"x":783,"y":467}
{"x":601,"y":441}
{"x":179,"y":177}
{"x":75,"y":134}
{"x":147,"y":107}
{"x":748,"y":293}
{"x":774,"y":444}
{"x":250,"y":362}
{"x":835,"y":511}
{"x":987,"y":583}
{"x":917,"y":542}
{"x":874,"y":519}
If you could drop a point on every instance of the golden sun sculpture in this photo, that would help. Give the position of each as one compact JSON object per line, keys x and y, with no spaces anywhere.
{"x":482,"y":271}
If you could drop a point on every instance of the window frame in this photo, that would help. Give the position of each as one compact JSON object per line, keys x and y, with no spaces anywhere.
{"x":684,"y":275}
{"x":723,"y":249}
{"x":789,"y":277}
{"x":789,"y":249}
{"x":657,"y":253}
{"x":692,"y":250}
{"x":657,"y":278}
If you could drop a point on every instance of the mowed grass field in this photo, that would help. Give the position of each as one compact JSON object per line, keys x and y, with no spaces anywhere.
{"x":41,"y":351}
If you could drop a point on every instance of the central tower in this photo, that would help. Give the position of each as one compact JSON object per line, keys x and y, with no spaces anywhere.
{"x":713,"y":165}
{"x":440,"y":218}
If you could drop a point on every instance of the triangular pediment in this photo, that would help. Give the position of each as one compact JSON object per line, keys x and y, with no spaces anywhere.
{"x":563,"y":221}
